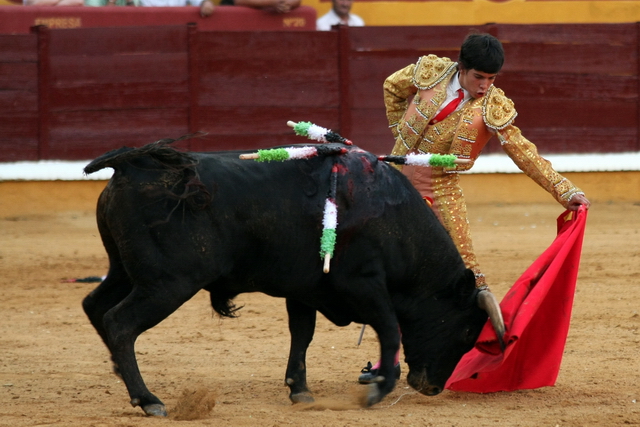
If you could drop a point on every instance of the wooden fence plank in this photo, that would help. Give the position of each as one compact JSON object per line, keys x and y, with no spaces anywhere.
{"x":86,"y":134}
{"x":423,"y":39}
{"x":307,"y":47}
{"x":556,"y":58}
{"x":235,"y":91}
{"x":18,"y":48}
{"x":44,"y":84}
{"x":168,"y":68}
{"x":18,"y":136}
{"x":18,"y":98}
{"x":244,"y":121}
{"x":577,"y":113}
{"x":573,"y":34}
{"x":119,"y":41}
{"x":13,"y":101}
{"x":590,"y":86}
{"x":124,"y":96}
{"x":583,"y":140}
{"x":19,"y":76}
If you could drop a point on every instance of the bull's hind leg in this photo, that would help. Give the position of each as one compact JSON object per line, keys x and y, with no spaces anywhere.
{"x":141,"y":310}
{"x":113,"y":289}
{"x":302,"y":324}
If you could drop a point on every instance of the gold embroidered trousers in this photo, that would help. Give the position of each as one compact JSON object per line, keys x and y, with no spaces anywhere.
{"x":442,"y":190}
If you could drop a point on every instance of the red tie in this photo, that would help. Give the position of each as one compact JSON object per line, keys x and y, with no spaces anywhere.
{"x":448,"y":109}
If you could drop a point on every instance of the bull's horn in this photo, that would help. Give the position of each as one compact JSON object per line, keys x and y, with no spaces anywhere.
{"x":488,"y":302}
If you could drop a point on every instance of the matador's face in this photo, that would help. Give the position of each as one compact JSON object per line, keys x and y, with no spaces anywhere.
{"x":476,"y":82}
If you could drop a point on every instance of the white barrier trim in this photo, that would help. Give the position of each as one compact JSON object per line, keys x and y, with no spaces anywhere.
{"x":53,"y":170}
{"x":50,"y":170}
{"x":592,"y":162}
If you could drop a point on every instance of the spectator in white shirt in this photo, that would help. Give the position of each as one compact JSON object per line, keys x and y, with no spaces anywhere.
{"x":340,"y":14}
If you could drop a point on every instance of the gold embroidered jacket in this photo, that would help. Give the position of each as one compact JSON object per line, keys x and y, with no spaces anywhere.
{"x":466,"y":131}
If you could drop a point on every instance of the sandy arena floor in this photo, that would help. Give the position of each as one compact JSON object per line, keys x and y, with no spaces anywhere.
{"x":55,"y":371}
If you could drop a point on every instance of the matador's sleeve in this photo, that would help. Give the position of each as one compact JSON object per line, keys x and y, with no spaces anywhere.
{"x":525,"y":155}
{"x":398,"y":88}
{"x":499,"y":114}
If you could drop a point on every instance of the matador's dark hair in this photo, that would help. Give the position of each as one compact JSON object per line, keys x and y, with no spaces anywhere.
{"x":482,"y":52}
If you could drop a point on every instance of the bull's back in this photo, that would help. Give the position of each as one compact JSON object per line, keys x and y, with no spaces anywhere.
{"x":258,"y":225}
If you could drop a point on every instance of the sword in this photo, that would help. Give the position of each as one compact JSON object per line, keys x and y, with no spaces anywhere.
{"x":361,"y":334}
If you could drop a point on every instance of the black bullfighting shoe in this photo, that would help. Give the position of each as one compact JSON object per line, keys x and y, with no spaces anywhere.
{"x":368,"y":375}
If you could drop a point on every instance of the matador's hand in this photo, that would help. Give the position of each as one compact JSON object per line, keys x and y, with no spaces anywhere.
{"x":578,"y":200}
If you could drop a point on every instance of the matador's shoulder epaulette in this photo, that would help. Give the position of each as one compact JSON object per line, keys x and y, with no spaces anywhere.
{"x":498,"y":111}
{"x":431,"y":70}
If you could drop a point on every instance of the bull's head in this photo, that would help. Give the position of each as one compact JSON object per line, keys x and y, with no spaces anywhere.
{"x":446,"y":327}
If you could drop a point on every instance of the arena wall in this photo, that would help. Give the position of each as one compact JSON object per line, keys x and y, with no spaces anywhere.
{"x":73,"y":94}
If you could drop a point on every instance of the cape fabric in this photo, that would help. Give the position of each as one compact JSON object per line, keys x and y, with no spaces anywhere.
{"x":537,"y":313}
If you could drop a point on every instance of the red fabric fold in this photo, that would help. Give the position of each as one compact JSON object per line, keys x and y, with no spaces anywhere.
{"x":537,"y":314}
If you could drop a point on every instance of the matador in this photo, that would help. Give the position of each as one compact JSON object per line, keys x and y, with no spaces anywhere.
{"x":463,"y":133}
{"x":442,"y":107}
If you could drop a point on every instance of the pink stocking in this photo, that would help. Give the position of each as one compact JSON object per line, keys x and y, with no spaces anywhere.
{"x":395,"y":362}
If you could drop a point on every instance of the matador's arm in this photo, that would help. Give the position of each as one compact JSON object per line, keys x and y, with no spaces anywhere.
{"x":525,"y":155}
{"x":398,"y":88}
{"x":499,"y":114}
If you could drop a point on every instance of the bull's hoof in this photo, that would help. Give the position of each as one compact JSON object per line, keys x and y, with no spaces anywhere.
{"x":373,"y":395}
{"x":304,"y":397}
{"x":155,"y":410}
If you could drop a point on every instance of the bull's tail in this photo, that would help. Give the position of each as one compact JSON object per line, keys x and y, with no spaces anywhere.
{"x":106,"y":160}
{"x":159,"y":150}
{"x":188,"y":187}
{"x":222,"y":302}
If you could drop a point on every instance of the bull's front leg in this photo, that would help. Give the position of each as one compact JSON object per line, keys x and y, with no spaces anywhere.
{"x":302,"y":324}
{"x":376,"y":310}
{"x":389,"y":338}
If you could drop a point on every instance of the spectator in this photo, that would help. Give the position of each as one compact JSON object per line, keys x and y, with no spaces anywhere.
{"x":165,"y":3}
{"x":340,"y":14}
{"x":112,"y":2}
{"x":53,"y":2}
{"x":206,"y":6}
{"x":278,"y":6}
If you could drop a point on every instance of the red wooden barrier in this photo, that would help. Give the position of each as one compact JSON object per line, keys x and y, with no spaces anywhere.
{"x":74,"y":94}
{"x":18,"y":20}
{"x":19,"y":111}
{"x":250,"y":85}
{"x":576,"y":86}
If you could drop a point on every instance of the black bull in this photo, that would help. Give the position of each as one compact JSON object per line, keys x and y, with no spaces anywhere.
{"x":174,"y":223}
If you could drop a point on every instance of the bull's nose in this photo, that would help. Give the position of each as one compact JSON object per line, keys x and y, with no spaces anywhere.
{"x":419,"y":382}
{"x":432,"y":390}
